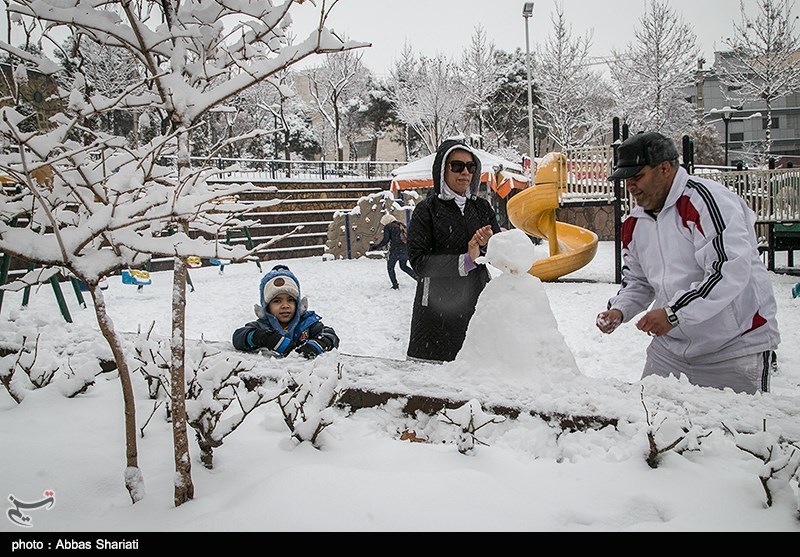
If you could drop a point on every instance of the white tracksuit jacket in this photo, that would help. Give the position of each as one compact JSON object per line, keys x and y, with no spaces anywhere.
{"x":700,"y":257}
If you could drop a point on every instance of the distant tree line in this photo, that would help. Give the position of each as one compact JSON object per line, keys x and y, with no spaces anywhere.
{"x":340,"y":108}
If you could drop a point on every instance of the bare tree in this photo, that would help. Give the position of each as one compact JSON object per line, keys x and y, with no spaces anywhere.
{"x":570,"y":93}
{"x":275,"y":107}
{"x":333,"y":85}
{"x":428,"y":96}
{"x":401,"y":95}
{"x":481,"y":80}
{"x":653,"y":72}
{"x":763,"y":64}
{"x":94,"y":205}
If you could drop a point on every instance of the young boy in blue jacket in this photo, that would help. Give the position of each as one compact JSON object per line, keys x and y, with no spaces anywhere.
{"x":284,"y":322}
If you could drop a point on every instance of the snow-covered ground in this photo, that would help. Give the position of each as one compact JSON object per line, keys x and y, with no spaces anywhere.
{"x":530,"y":476}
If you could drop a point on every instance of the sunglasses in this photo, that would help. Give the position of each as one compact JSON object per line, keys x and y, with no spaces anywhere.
{"x":459,"y":166}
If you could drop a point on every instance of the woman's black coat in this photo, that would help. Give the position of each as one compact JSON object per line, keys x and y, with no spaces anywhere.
{"x":437,"y":242}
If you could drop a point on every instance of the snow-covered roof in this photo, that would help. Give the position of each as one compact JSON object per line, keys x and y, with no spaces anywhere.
{"x":501,"y":174}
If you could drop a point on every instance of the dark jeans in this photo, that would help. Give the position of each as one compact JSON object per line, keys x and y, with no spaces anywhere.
{"x":392,"y":260}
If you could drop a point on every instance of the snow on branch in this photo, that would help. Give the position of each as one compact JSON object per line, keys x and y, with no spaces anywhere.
{"x":309,"y":399}
{"x":469,"y":418}
{"x":670,"y":434}
{"x":780,"y":458}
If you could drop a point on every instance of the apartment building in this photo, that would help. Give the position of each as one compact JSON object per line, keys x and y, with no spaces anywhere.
{"x":746,"y":123}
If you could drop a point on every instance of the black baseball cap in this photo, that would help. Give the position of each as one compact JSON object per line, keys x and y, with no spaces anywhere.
{"x":638,"y":151}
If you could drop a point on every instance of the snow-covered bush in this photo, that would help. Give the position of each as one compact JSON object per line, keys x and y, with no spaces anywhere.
{"x":309,"y":399}
{"x":669,"y":433}
{"x":469,"y":418}
{"x":151,"y":359}
{"x":217,"y":381}
{"x":780,"y":458}
{"x":36,"y":355}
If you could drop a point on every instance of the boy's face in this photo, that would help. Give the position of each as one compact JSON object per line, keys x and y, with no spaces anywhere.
{"x":283,"y":307}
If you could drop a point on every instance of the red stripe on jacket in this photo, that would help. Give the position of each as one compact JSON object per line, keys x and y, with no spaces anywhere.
{"x":688,"y":213}
{"x":758,"y":321}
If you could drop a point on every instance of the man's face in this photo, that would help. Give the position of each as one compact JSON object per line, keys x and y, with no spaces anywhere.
{"x":459,"y":181}
{"x":651,"y":185}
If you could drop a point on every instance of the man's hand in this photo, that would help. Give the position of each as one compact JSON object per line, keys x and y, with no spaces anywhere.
{"x":654,"y":323}
{"x":608,"y":321}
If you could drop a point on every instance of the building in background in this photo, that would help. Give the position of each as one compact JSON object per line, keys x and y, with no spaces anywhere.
{"x":746,"y":133}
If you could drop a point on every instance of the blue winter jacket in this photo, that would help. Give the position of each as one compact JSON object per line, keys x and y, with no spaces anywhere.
{"x":305,"y":327}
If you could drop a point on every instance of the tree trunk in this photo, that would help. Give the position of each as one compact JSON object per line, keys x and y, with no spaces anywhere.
{"x":373,"y":151}
{"x":133,"y":476}
{"x":184,"y":488}
{"x":287,"y":154}
{"x":768,"y":134}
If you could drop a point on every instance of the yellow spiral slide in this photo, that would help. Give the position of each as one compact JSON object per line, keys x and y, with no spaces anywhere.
{"x":534,"y":211}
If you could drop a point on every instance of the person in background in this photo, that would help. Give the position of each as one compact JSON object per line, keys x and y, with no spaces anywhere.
{"x":691,"y":264}
{"x":395,"y":236}
{"x":449,"y":230}
{"x":284,"y":322}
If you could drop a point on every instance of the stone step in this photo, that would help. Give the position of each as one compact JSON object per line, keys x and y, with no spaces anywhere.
{"x":270,"y":254}
{"x":311,"y":203}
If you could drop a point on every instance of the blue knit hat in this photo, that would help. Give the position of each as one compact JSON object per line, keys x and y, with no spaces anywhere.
{"x":278,"y":281}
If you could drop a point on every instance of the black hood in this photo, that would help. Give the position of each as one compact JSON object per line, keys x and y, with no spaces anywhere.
{"x":438,"y":166}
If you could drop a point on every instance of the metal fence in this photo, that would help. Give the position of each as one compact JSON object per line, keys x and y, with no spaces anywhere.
{"x":774,"y":195}
{"x":271,"y":169}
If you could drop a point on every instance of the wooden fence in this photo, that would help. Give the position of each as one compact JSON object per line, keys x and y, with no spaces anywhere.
{"x":270,"y":169}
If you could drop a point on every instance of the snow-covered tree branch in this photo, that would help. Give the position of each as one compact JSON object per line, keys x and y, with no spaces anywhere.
{"x":93,"y":204}
{"x":763,"y":63}
{"x":655,"y":69}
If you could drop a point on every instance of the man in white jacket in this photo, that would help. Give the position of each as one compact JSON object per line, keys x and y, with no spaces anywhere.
{"x":691,"y":263}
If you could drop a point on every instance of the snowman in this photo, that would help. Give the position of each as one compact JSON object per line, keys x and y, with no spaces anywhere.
{"x":513,"y":332}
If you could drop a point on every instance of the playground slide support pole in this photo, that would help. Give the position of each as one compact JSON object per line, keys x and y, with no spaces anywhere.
{"x":618,"y":191}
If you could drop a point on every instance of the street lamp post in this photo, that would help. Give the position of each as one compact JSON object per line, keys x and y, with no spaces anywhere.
{"x":527,"y":13}
{"x":727,"y":112}
{"x":726,"y":115}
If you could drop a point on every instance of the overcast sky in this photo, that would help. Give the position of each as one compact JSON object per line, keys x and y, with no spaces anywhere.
{"x":446,"y":26}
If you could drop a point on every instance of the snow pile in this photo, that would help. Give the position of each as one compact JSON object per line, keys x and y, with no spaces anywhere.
{"x":513,"y":333}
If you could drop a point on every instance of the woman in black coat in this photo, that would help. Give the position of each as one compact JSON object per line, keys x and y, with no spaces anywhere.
{"x":449,"y":230}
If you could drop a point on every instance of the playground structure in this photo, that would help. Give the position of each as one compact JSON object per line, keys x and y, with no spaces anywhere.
{"x":533,"y":211}
{"x":569,"y":183}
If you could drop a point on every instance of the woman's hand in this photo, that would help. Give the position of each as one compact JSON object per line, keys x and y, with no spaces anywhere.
{"x":479,"y":239}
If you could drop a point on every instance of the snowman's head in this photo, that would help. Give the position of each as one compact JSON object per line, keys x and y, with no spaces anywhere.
{"x":511,"y":251}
